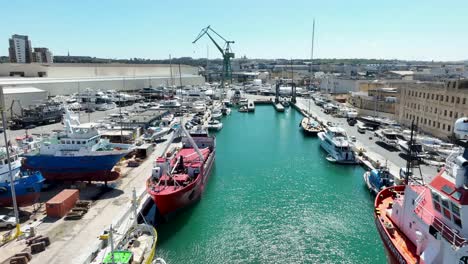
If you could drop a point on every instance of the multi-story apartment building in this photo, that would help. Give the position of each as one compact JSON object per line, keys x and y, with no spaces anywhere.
{"x":435,"y":106}
{"x":20,"y":49}
{"x":42,"y":55}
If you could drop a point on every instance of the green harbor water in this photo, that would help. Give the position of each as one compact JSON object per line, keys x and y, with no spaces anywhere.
{"x":273,"y":198}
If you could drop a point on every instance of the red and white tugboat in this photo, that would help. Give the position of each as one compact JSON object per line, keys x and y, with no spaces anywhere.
{"x":428,"y":223}
{"x":179,"y":180}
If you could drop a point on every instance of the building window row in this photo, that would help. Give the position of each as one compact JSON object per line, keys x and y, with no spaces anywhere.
{"x":437,"y":97}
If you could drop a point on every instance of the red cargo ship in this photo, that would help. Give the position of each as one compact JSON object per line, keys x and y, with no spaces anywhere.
{"x":178,"y":180}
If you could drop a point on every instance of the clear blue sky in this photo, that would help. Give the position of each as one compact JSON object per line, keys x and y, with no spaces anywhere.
{"x":427,"y":30}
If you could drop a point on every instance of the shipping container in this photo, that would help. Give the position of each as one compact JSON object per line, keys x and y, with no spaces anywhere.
{"x":62,"y":203}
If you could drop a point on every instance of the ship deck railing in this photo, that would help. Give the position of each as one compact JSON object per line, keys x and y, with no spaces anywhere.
{"x":451,"y":235}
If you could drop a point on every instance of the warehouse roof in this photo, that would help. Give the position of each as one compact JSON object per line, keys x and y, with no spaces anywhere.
{"x":20,"y":90}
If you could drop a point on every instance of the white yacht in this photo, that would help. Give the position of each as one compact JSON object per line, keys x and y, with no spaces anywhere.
{"x":170,"y":104}
{"x":92,"y":100}
{"x":335,"y":142}
{"x":216,"y":113}
{"x":214,"y":125}
{"x":199,"y":107}
{"x":250,"y":105}
{"x":388,"y":136}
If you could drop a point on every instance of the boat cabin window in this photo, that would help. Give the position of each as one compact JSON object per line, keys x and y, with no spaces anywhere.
{"x":455,"y":209}
{"x":391,"y":136}
{"x":73,"y":141}
{"x":435,"y":196}
{"x":437,"y":207}
{"x":78,"y":142}
{"x":62,"y":141}
{"x":457,"y":220}
{"x":445,"y":203}
{"x":447,"y":214}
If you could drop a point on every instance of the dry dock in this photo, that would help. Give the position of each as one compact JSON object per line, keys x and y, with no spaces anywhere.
{"x":72,"y":241}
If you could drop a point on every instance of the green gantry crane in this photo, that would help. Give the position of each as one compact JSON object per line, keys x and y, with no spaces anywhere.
{"x":226,"y":52}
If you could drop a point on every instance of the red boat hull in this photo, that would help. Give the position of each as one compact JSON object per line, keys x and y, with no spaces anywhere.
{"x":23,"y":200}
{"x":175,"y":201}
{"x":393,"y":254}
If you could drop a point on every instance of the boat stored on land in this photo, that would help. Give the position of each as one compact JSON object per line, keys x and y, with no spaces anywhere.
{"x":77,"y":154}
{"x":179,"y":180}
{"x":27,"y":183}
{"x":40,"y":114}
{"x":388,"y":136}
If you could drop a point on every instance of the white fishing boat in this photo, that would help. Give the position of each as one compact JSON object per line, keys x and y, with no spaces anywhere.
{"x":335,"y":142}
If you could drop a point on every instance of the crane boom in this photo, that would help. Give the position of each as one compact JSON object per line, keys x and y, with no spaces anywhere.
{"x":226,"y":52}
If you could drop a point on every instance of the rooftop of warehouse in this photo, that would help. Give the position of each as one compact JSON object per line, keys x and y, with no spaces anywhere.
{"x":22,"y":89}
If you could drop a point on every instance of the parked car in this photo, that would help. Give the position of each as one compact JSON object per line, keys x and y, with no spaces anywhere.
{"x":7,"y":221}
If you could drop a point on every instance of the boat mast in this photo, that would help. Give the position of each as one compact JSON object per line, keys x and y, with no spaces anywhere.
{"x":12,"y":180}
{"x":410,"y":154}
{"x":312,"y":56}
{"x":170,"y":65}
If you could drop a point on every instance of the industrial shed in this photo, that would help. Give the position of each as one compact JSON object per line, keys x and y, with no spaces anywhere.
{"x":17,"y":97}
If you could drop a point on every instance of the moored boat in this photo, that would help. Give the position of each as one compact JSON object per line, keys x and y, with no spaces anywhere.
{"x":334,"y":141}
{"x":310,"y":126}
{"x":214,"y":125}
{"x":179,"y":180}
{"x":378,"y":179}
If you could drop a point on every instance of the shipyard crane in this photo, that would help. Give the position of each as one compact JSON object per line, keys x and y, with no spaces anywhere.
{"x":226,"y":52}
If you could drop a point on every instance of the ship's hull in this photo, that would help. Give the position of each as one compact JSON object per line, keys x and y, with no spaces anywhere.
{"x":27,"y":190}
{"x":308,"y":132}
{"x":393,"y":254}
{"x":393,"y":257}
{"x":168,"y":204}
{"x":75,"y":168}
